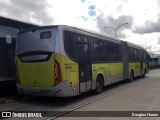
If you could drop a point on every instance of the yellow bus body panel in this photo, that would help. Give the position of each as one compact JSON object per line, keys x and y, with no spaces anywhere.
{"x":69,"y":69}
{"x":145,"y":66}
{"x":134,"y":66}
{"x":36,"y":74}
{"x":41,"y":74}
{"x":106,"y":69}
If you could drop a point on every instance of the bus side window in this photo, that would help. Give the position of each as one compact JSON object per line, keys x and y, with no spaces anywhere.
{"x":99,"y":53}
{"x":69,"y":44}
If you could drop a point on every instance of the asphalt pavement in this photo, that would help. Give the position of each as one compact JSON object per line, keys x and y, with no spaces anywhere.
{"x":141,"y":101}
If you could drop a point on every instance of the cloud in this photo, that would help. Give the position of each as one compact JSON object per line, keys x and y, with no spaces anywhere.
{"x":149,"y":47}
{"x":109,"y":21}
{"x":125,"y":1}
{"x":119,"y":8}
{"x":149,"y":26}
{"x":26,"y":10}
{"x":158,"y":3}
{"x":84,"y":18}
{"x":158,"y":41}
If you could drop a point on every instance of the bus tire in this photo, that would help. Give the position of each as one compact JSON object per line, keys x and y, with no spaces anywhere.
{"x":131,"y":78}
{"x":99,"y":85}
{"x":20,"y":96}
{"x":144,"y":73}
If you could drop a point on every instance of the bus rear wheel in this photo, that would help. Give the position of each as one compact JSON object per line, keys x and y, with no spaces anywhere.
{"x":131,"y":76}
{"x":99,"y":85}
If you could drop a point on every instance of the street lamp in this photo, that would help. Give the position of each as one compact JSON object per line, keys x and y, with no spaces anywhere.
{"x":115,"y":29}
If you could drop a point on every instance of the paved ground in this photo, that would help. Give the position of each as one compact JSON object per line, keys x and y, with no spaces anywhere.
{"x":145,"y":96}
{"x":140,"y":95}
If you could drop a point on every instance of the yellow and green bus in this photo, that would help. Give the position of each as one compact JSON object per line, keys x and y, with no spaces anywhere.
{"x":67,"y":61}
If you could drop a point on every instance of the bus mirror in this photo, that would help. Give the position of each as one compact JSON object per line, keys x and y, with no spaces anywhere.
{"x":8,"y":39}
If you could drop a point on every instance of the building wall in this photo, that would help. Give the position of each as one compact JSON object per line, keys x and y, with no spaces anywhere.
{"x":154,"y":60}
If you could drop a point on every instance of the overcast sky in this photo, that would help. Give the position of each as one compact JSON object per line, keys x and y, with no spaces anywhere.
{"x":142,"y":16}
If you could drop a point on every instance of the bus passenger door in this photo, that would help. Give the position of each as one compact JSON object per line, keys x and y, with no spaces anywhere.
{"x":84,"y":63}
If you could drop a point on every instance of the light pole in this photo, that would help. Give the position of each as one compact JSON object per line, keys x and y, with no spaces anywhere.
{"x":115,"y":29}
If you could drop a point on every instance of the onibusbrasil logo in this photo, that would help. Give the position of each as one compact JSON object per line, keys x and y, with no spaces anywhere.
{"x":21,"y":114}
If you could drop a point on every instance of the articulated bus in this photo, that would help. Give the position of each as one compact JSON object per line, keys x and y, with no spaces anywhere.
{"x":67,"y":61}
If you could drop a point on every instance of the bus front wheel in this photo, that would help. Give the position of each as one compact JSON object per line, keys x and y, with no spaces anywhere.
{"x":99,"y":85}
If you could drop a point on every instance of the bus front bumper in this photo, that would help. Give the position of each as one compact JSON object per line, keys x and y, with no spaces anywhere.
{"x":59,"y":90}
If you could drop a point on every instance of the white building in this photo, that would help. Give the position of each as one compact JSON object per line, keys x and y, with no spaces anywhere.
{"x":154,"y":60}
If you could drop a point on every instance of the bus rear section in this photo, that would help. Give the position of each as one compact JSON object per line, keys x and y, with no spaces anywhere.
{"x":38,"y":70}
